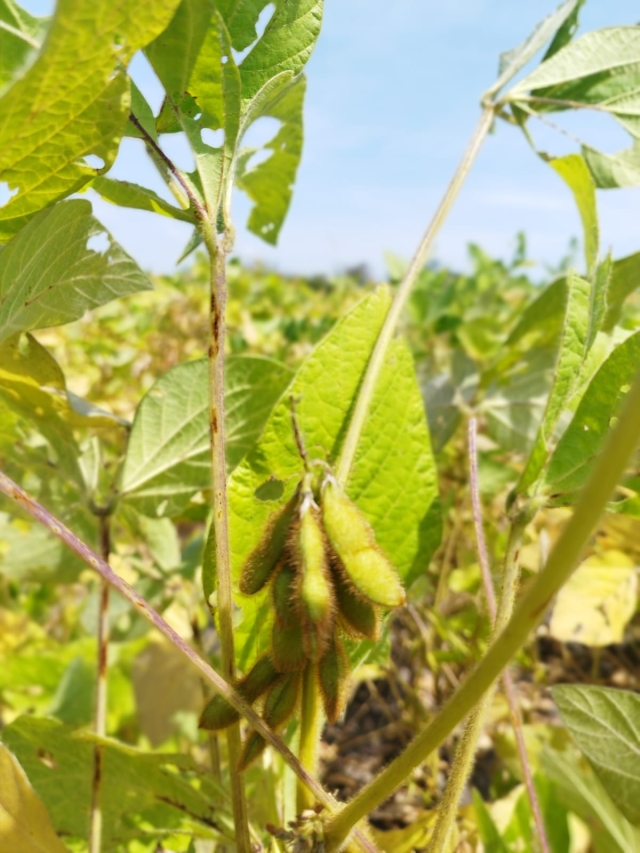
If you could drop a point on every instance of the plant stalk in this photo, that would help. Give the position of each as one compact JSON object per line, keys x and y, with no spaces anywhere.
{"x":100,"y":718}
{"x":607,"y":471}
{"x":379,"y":353}
{"x":509,"y":689}
{"x":466,"y":751}
{"x":217,"y":333}
{"x":311,"y":720}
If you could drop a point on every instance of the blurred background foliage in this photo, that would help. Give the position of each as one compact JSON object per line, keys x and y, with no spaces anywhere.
{"x":483,"y":342}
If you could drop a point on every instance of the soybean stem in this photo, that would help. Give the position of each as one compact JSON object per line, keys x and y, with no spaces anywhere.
{"x":379,"y":354}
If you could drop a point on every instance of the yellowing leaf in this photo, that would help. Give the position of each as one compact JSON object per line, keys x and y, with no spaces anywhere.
{"x":596,"y":604}
{"x":24,"y":823}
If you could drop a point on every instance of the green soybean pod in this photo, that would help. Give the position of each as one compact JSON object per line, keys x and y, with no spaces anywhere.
{"x":333,"y":675}
{"x":219,"y":714}
{"x":287,"y":648}
{"x":283,"y":596}
{"x":262,"y":561}
{"x":353,"y":540}
{"x":315,"y":595}
{"x":358,"y":617}
{"x":278,"y":708}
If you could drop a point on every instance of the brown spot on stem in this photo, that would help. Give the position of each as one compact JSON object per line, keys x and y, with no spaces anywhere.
{"x":215,"y":326}
{"x":214,"y":422}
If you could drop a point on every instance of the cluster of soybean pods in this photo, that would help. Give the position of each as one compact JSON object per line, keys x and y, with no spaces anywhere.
{"x":328,"y":579}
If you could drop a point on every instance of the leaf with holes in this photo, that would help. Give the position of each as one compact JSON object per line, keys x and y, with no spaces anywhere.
{"x":605,"y":724}
{"x":393,"y":478}
{"x":62,"y":111}
{"x":270,"y":184}
{"x":25,"y":826}
{"x":583,"y":439}
{"x":168,"y":457}
{"x":142,"y":794}
{"x":51,"y":273}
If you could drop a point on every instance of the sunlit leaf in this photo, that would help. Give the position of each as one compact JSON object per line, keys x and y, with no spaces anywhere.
{"x":64,"y":110}
{"x":394,"y":451}
{"x":597,"y":602}
{"x":168,"y":457}
{"x":63,"y":263}
{"x":25,"y":826}
{"x":286,"y":45}
{"x":20,"y":38}
{"x":614,"y":170}
{"x":605,"y":724}
{"x":270,"y":184}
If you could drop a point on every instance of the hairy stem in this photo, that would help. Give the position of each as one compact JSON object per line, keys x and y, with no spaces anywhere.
{"x":509,"y":689}
{"x":217,"y":329}
{"x":608,"y":469}
{"x":311,"y":720}
{"x":100,"y":718}
{"x":379,"y":353}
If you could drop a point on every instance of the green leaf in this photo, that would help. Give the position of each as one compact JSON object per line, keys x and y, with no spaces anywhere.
{"x":488,"y":831}
{"x":610,"y":171}
{"x":580,"y":791}
{"x":168,"y":457}
{"x":174,"y":52}
{"x":574,"y":456}
{"x":270,"y":184}
{"x":140,"y":792}
{"x":25,"y":826}
{"x":625,"y":279}
{"x":514,"y":60}
{"x":31,"y":553}
{"x":126,"y":194}
{"x":20,"y":39}
{"x":393,"y":478}
{"x":571,"y":355}
{"x":286,"y":44}
{"x":573,"y":170}
{"x":50,"y":274}
{"x":595,"y":64}
{"x":566,"y":31}
{"x":597,"y":602}
{"x":62,"y":110}
{"x":605,"y":724}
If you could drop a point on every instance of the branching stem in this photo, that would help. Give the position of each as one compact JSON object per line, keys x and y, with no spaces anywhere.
{"x":379,"y":354}
{"x":608,"y":468}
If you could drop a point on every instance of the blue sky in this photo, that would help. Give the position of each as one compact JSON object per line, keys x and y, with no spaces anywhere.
{"x":393,"y":91}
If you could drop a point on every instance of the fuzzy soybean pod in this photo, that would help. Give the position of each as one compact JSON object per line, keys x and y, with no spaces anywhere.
{"x":283,"y":596}
{"x":333,"y":675}
{"x":262,"y":561}
{"x":287,"y":648}
{"x":278,"y":707}
{"x":358,"y":617}
{"x":314,"y":587}
{"x":218,"y":713}
{"x":354,"y":541}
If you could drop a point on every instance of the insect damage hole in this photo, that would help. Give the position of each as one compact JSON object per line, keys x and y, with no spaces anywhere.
{"x":99,"y":243}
